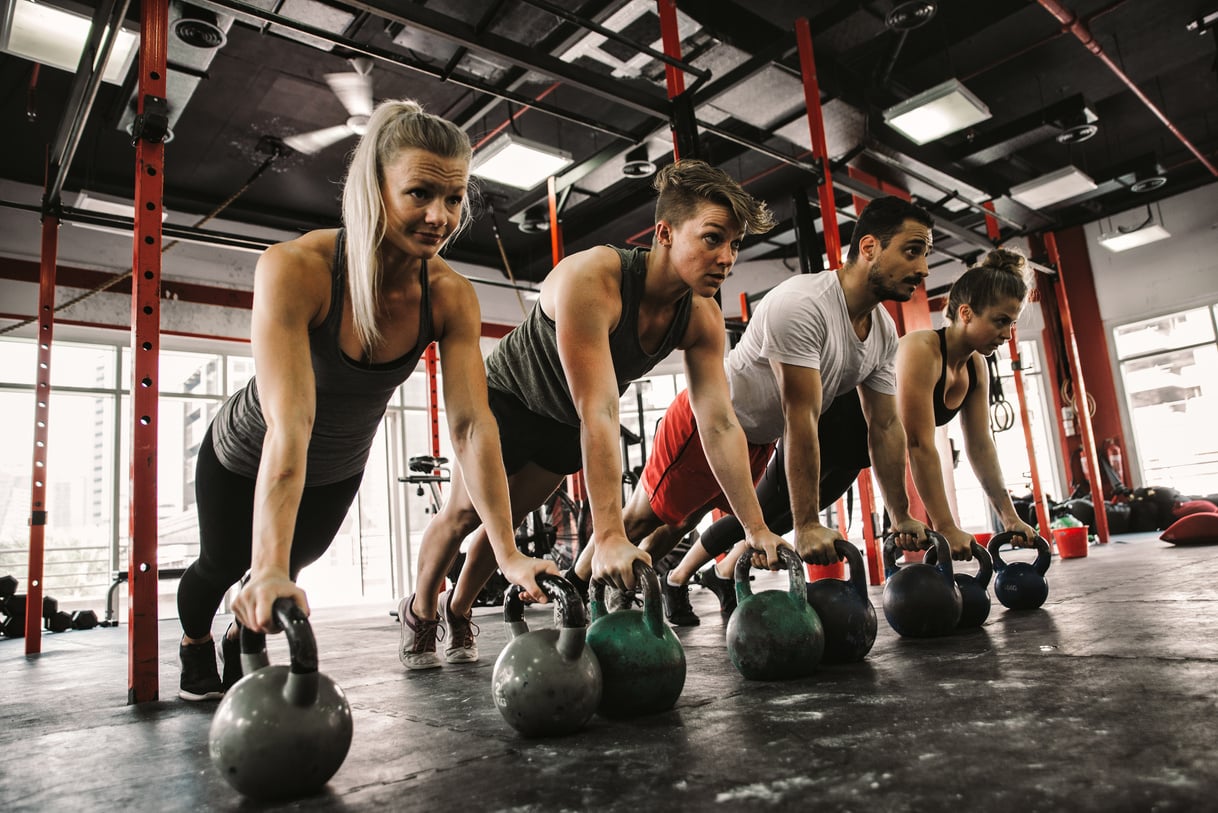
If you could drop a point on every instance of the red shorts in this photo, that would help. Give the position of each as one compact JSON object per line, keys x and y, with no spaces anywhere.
{"x":678,"y":479}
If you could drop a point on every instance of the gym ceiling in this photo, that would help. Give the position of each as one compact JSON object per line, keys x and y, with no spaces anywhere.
{"x":586,"y":78}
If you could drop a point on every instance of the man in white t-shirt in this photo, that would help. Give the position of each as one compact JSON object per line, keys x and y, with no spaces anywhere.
{"x":813,"y":342}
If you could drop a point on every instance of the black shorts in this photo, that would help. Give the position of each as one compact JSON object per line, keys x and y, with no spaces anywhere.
{"x":528,"y":437}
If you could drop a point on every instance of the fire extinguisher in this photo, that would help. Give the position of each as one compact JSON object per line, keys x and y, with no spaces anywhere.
{"x":1113,"y":450}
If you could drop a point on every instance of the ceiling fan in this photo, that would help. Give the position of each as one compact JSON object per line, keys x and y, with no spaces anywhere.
{"x":354,"y":91}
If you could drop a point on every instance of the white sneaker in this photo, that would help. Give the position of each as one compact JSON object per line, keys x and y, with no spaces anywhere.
{"x":462,"y":648}
{"x":418,"y":646}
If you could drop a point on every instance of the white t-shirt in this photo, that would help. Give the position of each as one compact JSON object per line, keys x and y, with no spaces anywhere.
{"x":804,"y":322}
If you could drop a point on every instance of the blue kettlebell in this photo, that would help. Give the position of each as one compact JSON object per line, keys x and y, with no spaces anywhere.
{"x":1021,"y":585}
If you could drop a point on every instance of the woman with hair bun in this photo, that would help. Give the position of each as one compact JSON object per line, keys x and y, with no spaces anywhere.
{"x":982,"y":308}
{"x":340,"y":320}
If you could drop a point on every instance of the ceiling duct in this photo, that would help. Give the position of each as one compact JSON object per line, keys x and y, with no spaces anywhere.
{"x":197,"y":36}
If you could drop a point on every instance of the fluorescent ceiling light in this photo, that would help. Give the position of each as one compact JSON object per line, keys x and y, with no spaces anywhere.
{"x":1048,"y":189}
{"x":1121,"y":241}
{"x":56,"y":37}
{"x":517,"y":162}
{"x":934,"y":113}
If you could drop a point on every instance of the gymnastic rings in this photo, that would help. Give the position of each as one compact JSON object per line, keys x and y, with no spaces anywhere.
{"x":1002,"y":416}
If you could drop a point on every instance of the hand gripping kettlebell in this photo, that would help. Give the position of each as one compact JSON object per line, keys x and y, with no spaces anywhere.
{"x":974,"y":590}
{"x":844,"y":609}
{"x":921,"y":600}
{"x":642,"y":662}
{"x":546,"y":682}
{"x":1021,"y":585}
{"x":281,"y":732}
{"x":774,"y":634}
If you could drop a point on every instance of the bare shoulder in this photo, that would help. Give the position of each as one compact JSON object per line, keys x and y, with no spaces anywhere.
{"x":920,"y":342}
{"x":454,"y":302}
{"x":705,"y":321}
{"x":300,"y":267}
{"x":586,"y":279}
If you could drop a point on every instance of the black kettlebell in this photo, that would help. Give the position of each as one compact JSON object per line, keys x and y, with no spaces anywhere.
{"x":921,"y":600}
{"x":642,"y":661}
{"x":1021,"y":585}
{"x":281,"y":732}
{"x":844,"y":609}
{"x":974,"y":590}
{"x":774,"y":634}
{"x":547,"y":682}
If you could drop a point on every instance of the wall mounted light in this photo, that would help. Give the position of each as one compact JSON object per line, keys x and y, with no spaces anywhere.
{"x":515,"y":161}
{"x":934,"y":113}
{"x":56,"y":37}
{"x":1123,"y":238}
{"x":1054,"y":187}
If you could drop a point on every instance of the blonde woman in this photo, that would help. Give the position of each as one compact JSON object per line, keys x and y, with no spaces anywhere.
{"x":340,"y":320}
{"x":982,"y":307}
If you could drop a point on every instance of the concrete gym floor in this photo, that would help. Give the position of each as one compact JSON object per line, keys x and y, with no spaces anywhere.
{"x":1102,"y":700}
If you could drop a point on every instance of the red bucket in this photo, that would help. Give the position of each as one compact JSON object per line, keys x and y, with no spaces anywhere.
{"x":1071,"y":542}
{"x":837,"y":570}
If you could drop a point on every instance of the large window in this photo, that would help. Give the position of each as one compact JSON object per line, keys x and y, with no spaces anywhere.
{"x":1169,"y":371}
{"x":88,"y":480}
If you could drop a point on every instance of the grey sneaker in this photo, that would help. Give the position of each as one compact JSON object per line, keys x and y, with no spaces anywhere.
{"x":462,"y":648}
{"x":418,"y":643}
{"x":200,"y":678}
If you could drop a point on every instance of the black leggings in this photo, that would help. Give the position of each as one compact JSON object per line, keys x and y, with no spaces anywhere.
{"x":225,"y":503}
{"x":842,"y":432}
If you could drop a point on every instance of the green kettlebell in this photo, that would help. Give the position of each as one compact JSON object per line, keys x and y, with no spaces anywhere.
{"x":921,"y":600}
{"x":774,"y":634}
{"x":642,"y":662}
{"x":281,"y":732}
{"x":548,"y":682}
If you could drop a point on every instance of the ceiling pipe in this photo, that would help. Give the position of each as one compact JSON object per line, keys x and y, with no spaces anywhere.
{"x":1071,"y":22}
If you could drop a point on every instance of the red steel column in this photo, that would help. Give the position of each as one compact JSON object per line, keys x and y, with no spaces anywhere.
{"x":1090,"y":460}
{"x":670,"y":37}
{"x":143,"y":666}
{"x":42,"y":399}
{"x":433,"y":398}
{"x":1038,"y":493}
{"x":816,"y":123}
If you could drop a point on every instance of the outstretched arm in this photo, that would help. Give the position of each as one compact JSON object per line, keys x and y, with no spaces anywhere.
{"x":722,"y":438}
{"x":474,"y":432}
{"x":586,"y":304}
{"x":800,"y":390}
{"x":288,"y":294}
{"x":917,"y":364}
{"x":886,"y":441}
{"x":983,"y":457}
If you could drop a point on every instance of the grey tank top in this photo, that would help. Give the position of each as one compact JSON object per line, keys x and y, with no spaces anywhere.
{"x":525,"y":363}
{"x":350,"y":400}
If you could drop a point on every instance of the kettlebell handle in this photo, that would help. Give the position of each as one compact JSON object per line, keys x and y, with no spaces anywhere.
{"x":943,"y":561}
{"x":985,"y":564}
{"x":301,"y":686}
{"x":1044,"y":554}
{"x":645,"y":576}
{"x":789,"y":559}
{"x":854,"y":561}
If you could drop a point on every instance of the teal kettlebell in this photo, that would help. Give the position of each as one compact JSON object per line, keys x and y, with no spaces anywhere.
{"x":774,"y":634}
{"x":547,"y":682}
{"x":642,"y":662}
{"x":281,"y":732}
